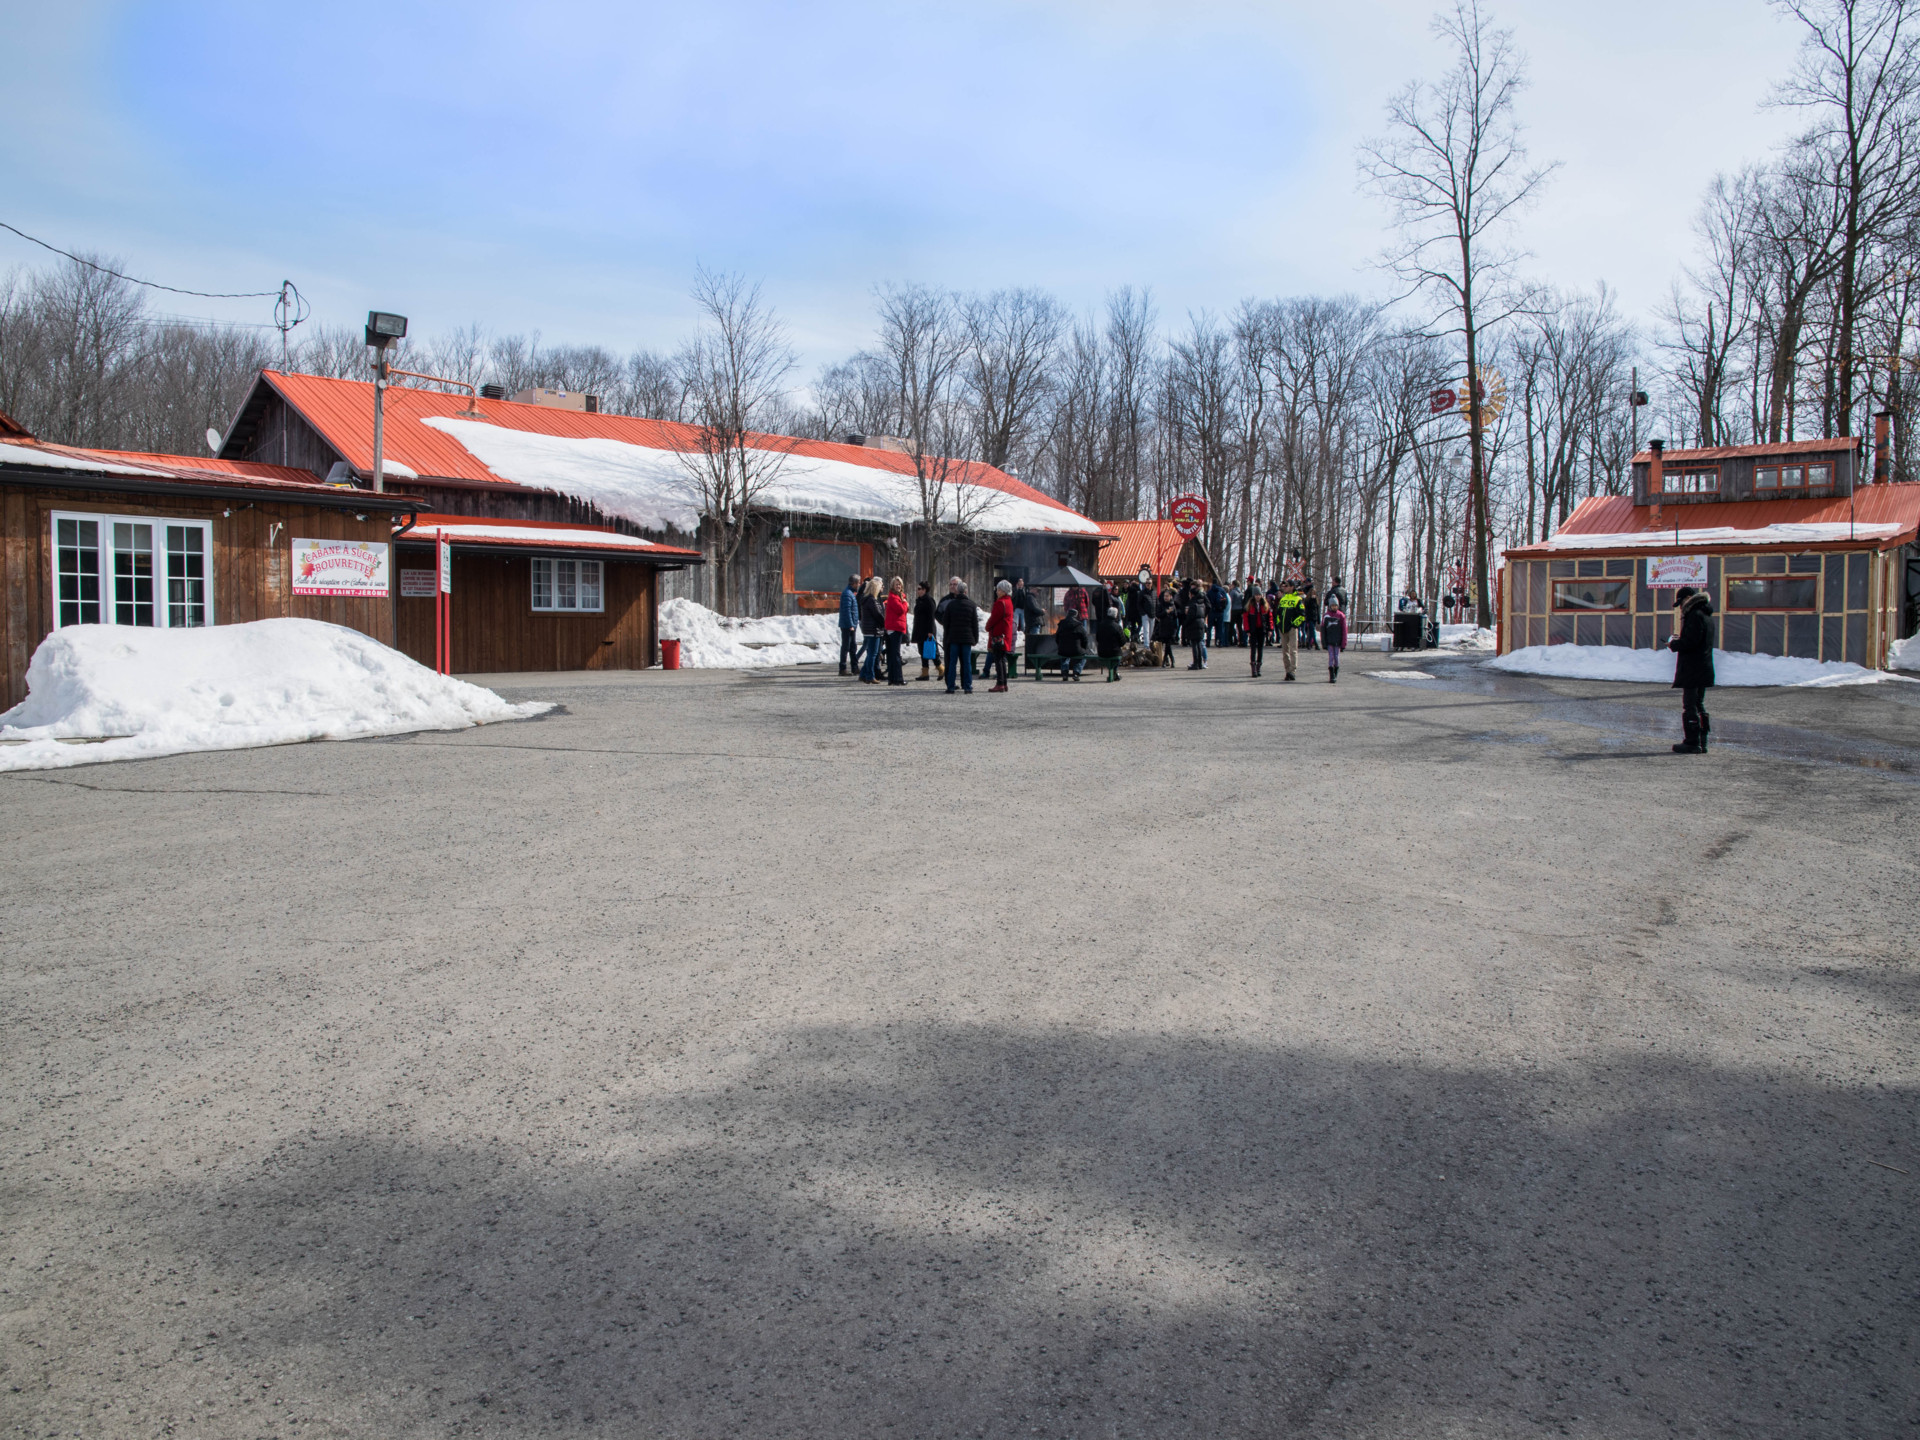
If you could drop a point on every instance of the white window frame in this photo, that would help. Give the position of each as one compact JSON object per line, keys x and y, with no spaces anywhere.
{"x":106,"y":520}
{"x":580,"y":569}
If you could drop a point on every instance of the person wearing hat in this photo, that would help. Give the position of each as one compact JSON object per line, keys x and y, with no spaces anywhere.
{"x":1692,"y":645}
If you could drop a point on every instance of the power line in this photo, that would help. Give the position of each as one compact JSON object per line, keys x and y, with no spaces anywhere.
{"x":131,"y":280}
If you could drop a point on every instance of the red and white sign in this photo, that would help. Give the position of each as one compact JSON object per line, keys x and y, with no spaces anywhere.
{"x":351,"y":568}
{"x":446,"y":567}
{"x":1668,"y":572}
{"x":416,"y":585}
{"x":1188,"y":513}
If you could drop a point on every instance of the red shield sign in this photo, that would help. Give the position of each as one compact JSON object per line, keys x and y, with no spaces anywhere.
{"x":1188,"y":513}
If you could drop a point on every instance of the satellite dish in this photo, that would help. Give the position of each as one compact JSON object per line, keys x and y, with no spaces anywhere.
{"x":213,"y":441}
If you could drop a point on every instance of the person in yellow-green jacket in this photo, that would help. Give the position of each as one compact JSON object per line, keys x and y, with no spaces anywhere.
{"x":1291,"y":615}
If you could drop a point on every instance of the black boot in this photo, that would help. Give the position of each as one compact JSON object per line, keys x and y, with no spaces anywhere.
{"x":1706,"y":729}
{"x":1691,"y":745}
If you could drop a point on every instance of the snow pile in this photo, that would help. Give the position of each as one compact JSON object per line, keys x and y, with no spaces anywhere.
{"x":716,"y":642}
{"x":1616,"y":662}
{"x":1905,"y":654}
{"x":1466,"y":637}
{"x":653,"y":488}
{"x":227,"y":687}
{"x":1806,"y":532}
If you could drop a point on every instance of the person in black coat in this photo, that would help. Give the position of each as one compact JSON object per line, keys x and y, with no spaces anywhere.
{"x":1692,"y":645}
{"x":1110,"y":636}
{"x":1070,"y":643}
{"x":1139,"y":611}
{"x":923,"y":629}
{"x":960,"y":625}
{"x":1166,"y":627}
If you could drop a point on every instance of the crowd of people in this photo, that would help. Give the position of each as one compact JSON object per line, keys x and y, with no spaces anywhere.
{"x":1143,"y":623}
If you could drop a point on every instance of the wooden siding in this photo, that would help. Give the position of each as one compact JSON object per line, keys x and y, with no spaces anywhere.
{"x":252,"y":562}
{"x":1852,"y":621}
{"x":281,"y":436}
{"x":496,"y":629}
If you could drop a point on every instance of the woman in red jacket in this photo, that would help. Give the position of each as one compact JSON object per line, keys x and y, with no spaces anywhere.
{"x":1000,"y":634}
{"x":897,"y":613}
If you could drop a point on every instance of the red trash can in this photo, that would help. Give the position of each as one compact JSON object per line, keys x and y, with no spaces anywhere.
{"x":669,"y":654}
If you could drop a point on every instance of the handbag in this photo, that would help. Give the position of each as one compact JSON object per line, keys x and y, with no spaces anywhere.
{"x":929,"y":650}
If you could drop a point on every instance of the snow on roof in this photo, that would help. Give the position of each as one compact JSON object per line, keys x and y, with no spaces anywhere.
{"x":467,"y":530}
{"x":183,"y":469}
{"x":653,"y":487}
{"x":46,"y":459}
{"x":620,"y":462}
{"x":1872,"y":513}
{"x":1816,"y":533}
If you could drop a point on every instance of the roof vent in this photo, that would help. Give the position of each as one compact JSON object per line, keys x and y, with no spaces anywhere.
{"x":593,"y":404}
{"x":493,"y":392}
{"x":855,"y":438}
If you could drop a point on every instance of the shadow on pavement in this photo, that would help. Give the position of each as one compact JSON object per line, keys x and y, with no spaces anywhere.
{"x":958,"y":1231}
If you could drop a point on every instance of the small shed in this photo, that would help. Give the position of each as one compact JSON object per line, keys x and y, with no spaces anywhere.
{"x":104,"y":537}
{"x":1156,"y":545}
{"x":534,"y":595}
{"x":1800,"y":559}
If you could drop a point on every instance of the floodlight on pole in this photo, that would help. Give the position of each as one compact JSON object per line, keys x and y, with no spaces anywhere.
{"x":383,"y":328}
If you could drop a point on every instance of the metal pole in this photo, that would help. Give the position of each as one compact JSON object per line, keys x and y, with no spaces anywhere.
{"x":379,"y":419}
{"x":1633,"y":409}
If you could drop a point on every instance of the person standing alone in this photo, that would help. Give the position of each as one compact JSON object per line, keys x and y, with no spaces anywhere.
{"x":1692,"y":646}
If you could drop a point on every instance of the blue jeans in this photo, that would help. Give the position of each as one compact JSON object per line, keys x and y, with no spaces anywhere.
{"x":960,"y":667}
{"x":849,"y":649}
{"x":1073,"y":666}
{"x":869,"y":657}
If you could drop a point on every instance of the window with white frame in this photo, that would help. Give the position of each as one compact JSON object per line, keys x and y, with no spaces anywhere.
{"x":132,"y":570}
{"x":569,"y":586}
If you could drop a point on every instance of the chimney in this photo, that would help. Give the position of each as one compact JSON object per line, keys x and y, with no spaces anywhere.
{"x":1882,"y":446}
{"x":1656,"y":475}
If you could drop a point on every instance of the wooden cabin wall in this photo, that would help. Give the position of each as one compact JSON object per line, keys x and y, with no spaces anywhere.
{"x":496,"y":629}
{"x":283,"y":437}
{"x":251,"y":562}
{"x":1852,"y":618}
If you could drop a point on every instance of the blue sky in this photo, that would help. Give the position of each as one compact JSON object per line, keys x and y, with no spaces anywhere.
{"x":564,"y":168}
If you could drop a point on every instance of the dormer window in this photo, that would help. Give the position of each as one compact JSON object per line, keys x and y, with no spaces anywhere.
{"x":1690,"y":482}
{"x":1792,"y":477}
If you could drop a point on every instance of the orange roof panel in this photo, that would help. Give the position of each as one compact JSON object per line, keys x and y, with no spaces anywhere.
{"x":1869,"y":505}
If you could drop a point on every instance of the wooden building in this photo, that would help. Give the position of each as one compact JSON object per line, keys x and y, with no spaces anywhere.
{"x":1801,"y":557}
{"x":533,"y":595}
{"x":113,"y":538}
{"x":837,"y":508}
{"x":1156,"y":545}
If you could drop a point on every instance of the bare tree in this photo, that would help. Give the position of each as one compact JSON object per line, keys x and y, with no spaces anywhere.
{"x":733,"y":374}
{"x":1859,"y":80}
{"x":1453,"y":168}
{"x":1012,"y":337}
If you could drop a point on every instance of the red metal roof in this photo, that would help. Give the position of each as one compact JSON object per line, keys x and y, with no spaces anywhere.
{"x":521,"y":534}
{"x":342,"y":411}
{"x":231,"y":474}
{"x":1753,"y":452}
{"x":1153,"y":543}
{"x":1869,"y":505}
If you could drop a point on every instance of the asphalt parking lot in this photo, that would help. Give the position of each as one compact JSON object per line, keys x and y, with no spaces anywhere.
{"x":767,"y":1055}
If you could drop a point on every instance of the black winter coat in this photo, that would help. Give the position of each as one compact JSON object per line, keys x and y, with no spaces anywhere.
{"x":1110,"y":636}
{"x":872,"y":618}
{"x":922,"y":618}
{"x":960,"y":621}
{"x":1166,"y":623}
{"x":1070,"y":638}
{"x":1693,"y":646}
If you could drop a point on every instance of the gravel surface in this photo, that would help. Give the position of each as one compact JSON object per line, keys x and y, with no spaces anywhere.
{"x":768,"y":1055}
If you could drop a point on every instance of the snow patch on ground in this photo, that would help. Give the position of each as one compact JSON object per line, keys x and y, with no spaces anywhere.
{"x":227,"y":687}
{"x":1467,"y":638}
{"x":709,"y":641}
{"x":1655,"y":667}
{"x":1905,"y":654}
